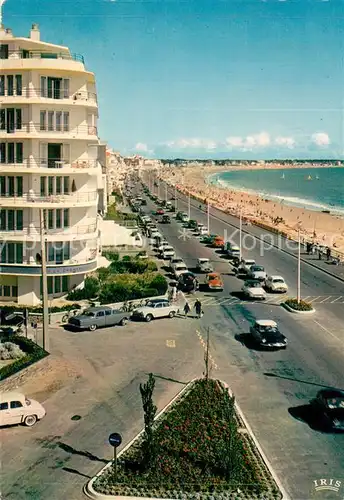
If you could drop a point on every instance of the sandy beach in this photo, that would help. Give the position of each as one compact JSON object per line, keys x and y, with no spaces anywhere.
{"x":321,"y":228}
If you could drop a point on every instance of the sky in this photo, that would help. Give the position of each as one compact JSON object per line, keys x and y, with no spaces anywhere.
{"x":215,"y":79}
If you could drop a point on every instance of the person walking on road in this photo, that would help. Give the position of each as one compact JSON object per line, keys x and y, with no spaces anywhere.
{"x":186,"y":309}
{"x":198,"y":308}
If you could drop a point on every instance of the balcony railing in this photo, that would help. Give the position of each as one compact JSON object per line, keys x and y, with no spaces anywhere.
{"x":44,"y":93}
{"x":37,"y":128}
{"x":14,"y":199}
{"x":39,"y":54}
{"x":35,"y":232}
{"x":59,"y":163}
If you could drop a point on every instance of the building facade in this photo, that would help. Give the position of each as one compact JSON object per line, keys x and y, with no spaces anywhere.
{"x":49,"y":168}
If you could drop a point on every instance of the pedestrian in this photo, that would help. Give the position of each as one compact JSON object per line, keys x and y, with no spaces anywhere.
{"x":320,"y":253}
{"x":198,"y":308}
{"x":186,"y":309}
{"x":328,"y":253}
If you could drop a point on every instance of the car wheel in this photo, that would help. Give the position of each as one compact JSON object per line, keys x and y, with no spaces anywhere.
{"x":123,"y":321}
{"x":149,"y":318}
{"x":30,"y":420}
{"x":92,"y":328}
{"x":171,"y":314}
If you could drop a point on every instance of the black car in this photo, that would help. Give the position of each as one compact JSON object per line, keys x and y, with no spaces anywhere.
{"x":329,"y":405}
{"x":165,"y":219}
{"x":187,"y":282}
{"x":266,"y":334}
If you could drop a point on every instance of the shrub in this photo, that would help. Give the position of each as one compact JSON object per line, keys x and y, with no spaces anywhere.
{"x":90,"y":290}
{"x":9,"y":350}
{"x":160,"y":283}
{"x":299,"y":306}
{"x":32,"y":351}
{"x":111,"y":255}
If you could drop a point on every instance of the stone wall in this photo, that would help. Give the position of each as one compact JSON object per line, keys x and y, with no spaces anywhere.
{"x":16,"y":380}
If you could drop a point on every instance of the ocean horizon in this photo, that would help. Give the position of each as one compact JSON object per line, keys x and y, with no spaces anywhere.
{"x":311,"y":188}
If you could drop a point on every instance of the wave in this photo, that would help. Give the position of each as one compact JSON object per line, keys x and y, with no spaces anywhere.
{"x":287,"y":199}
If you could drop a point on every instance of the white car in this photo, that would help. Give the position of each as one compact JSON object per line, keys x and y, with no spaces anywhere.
{"x":253,"y":289}
{"x":174,"y":261}
{"x":204,"y":265}
{"x":184,"y":218}
{"x":18,"y":409}
{"x":179,"y":269}
{"x":257,"y":273}
{"x":168,"y":252}
{"x":156,"y":308}
{"x":163,"y":245}
{"x":245,"y":266}
{"x":276,"y":284}
{"x":232,"y":250}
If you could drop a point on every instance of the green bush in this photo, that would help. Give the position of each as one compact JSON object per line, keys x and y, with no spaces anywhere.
{"x":90,"y":290}
{"x":111,"y":255}
{"x":33,"y":353}
{"x":299,"y":306}
{"x":159,"y":282}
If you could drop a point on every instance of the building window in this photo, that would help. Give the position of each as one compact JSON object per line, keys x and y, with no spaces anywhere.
{"x":19,"y":85}
{"x":54,"y":121}
{"x":11,"y":119}
{"x":58,"y":218}
{"x":54,"y":185}
{"x":58,"y":251}
{"x":12,"y":253}
{"x":14,"y":85}
{"x":2,"y":85}
{"x":66,"y":217}
{"x":57,"y":284}
{"x":54,"y":88}
{"x":10,"y":85}
{"x":11,"y":186}
{"x":11,"y":152}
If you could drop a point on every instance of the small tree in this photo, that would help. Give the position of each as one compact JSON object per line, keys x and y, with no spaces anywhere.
{"x":149,"y":409}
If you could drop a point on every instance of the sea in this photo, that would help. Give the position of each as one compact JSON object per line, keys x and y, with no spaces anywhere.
{"x":319,"y":189}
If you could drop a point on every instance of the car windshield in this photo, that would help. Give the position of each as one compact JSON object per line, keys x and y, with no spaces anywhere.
{"x":258,"y":268}
{"x":267,"y":330}
{"x":271,"y":335}
{"x":89,"y":313}
{"x":278,"y":280}
{"x":335,"y":403}
{"x":249,"y":263}
{"x":254,"y":284}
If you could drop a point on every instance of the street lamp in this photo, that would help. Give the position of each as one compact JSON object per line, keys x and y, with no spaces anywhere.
{"x":299,"y":264}
{"x":240,"y":234}
{"x":189,"y":206}
{"x":208,"y":216}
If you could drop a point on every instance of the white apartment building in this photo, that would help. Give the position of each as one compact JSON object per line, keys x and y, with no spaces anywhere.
{"x":48,"y":167}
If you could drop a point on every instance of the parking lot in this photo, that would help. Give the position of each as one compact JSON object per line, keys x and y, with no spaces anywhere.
{"x":93,"y":377}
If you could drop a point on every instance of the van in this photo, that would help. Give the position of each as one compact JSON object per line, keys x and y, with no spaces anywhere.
{"x":15,"y":408}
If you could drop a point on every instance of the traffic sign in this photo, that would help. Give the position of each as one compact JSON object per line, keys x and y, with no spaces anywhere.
{"x":115,"y":439}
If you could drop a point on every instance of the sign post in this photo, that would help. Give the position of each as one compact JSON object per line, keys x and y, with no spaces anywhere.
{"x":115,"y":441}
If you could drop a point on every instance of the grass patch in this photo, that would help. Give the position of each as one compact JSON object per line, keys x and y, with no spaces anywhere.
{"x":196,"y":451}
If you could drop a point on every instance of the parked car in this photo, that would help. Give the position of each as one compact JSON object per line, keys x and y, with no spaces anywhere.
{"x":160,"y":211}
{"x":253,"y":289}
{"x":163,"y":244}
{"x":187,"y":282}
{"x":192,"y":224}
{"x":185,"y":217}
{"x":155,"y":308}
{"x":179,"y":269}
{"x":15,"y":408}
{"x":329,"y":406}
{"x":232,"y":250}
{"x":245,"y":266}
{"x":208,"y":239}
{"x":267,"y":335}
{"x":276,"y":284}
{"x":168,"y":252}
{"x":218,"y":242}
{"x":166,"y":219}
{"x":98,"y":317}
{"x":214,"y":281}
{"x":175,"y":261}
{"x":204,"y":265}
{"x":168,"y":205}
{"x":257,"y":273}
{"x":179,"y":215}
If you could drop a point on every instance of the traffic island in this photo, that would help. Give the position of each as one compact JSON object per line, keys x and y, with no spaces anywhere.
{"x":198,"y":447}
{"x":298,"y":307}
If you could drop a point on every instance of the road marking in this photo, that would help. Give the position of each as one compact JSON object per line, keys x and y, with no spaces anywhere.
{"x":170,"y":343}
{"x":315,"y":298}
{"x":204,"y":345}
{"x":335,"y":300}
{"x":328,"y":331}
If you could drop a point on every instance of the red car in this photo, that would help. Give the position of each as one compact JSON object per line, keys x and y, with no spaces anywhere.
{"x":160,"y":211}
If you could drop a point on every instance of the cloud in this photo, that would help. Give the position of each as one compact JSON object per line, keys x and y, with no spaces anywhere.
{"x":192,"y":143}
{"x":261,"y":140}
{"x":321,"y":139}
{"x":141,"y":146}
{"x":288,"y":142}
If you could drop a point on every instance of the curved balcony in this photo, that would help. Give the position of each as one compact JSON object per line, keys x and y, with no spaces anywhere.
{"x":52,"y":269}
{"x":37,"y":95}
{"x":85,"y":199}
{"x":78,"y":232}
{"x":39,"y":59}
{"x":45,"y":166}
{"x":28,"y":130}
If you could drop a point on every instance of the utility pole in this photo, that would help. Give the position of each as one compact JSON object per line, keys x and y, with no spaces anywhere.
{"x":165,"y":192}
{"x":175,"y":195}
{"x":44,"y":284}
{"x":299,"y":267}
{"x":240,"y":234}
{"x":189,"y":206}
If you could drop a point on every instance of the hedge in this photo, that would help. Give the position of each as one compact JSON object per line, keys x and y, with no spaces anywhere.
{"x":33,"y":353}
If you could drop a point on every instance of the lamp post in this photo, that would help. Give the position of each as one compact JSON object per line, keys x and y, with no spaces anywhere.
{"x":44,"y":283}
{"x":175,"y":195}
{"x":208,"y":216}
{"x":189,"y":206}
{"x":165,"y":192}
{"x":240,"y":234}
{"x":299,"y":266}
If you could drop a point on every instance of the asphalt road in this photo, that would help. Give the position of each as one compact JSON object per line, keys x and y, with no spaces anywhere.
{"x":274,"y":388}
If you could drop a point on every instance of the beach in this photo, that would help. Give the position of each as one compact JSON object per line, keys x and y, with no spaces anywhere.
{"x":323,"y":229}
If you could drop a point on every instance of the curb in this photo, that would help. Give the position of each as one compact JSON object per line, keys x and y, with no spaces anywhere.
{"x":285,"y":496}
{"x":88,"y":489}
{"x":90,"y":492}
{"x":294,"y":311}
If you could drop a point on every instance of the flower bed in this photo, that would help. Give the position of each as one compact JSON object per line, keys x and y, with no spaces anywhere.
{"x":299,"y":306}
{"x":201,"y":451}
{"x":32,"y":353}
